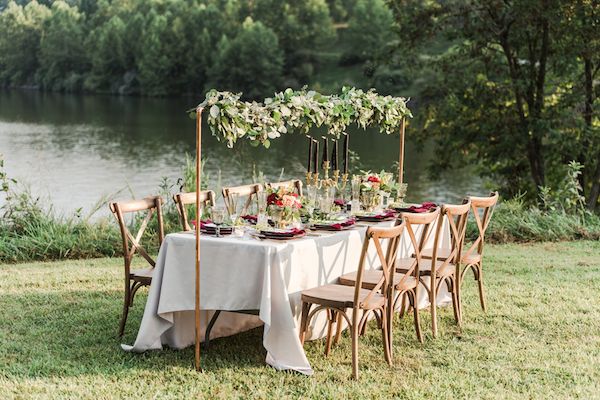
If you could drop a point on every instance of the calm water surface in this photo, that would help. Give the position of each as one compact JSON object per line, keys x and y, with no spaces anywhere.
{"x":76,"y":150}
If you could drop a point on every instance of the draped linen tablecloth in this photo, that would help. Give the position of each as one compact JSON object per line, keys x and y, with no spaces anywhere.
{"x":245,"y":274}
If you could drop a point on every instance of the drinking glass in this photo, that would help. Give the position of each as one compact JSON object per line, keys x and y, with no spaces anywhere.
{"x":233,"y":211}
{"x":218,"y":217}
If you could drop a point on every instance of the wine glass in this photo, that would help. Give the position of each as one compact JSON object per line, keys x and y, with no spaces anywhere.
{"x":233,"y":211}
{"x":218,"y":216}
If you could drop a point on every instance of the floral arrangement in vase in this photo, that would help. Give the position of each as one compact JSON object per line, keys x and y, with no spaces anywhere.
{"x":283,"y":206}
{"x":376,"y":188}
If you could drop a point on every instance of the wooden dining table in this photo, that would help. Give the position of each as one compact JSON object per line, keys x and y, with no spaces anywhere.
{"x":241,"y":272}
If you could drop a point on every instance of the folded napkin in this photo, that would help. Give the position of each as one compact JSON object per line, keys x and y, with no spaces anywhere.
{"x":203,"y":222}
{"x":290,"y":233}
{"x":386,"y":214}
{"x":250,"y":218}
{"x":342,"y":225}
{"x":339,"y":202}
{"x":424,"y":207}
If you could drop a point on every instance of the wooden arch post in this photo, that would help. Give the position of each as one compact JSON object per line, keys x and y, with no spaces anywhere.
{"x":198,"y":183}
{"x":401,"y":156}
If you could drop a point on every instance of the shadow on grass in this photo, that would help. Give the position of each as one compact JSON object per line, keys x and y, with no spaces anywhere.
{"x":71,"y":333}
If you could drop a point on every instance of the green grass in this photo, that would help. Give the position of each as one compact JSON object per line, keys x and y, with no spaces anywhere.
{"x":539,"y":339}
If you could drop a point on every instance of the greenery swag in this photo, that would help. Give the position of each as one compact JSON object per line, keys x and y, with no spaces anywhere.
{"x":230,"y":118}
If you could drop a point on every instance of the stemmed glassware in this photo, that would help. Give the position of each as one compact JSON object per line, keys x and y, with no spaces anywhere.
{"x":233,"y":211}
{"x":218,"y":217}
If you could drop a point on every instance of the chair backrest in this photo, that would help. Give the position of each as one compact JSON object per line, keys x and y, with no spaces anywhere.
{"x":483,"y":208}
{"x":414,"y":221}
{"x":294,"y":183}
{"x":207,"y":198}
{"x":456,"y":215}
{"x":377,"y":235}
{"x":131,"y":244}
{"x":231,"y":195}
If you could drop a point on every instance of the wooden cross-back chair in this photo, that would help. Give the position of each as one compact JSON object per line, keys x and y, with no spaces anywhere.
{"x":406,"y":282}
{"x":231,"y":195}
{"x":296,"y":184}
{"x":207,"y":199}
{"x":483,"y":208}
{"x":446,"y":268}
{"x":136,"y":278}
{"x":336,"y":299}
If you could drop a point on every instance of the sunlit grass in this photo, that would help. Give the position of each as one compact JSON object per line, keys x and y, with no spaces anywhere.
{"x":539,"y":339}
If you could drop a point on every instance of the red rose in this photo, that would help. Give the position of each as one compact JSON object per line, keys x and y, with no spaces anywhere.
{"x":279,"y":203}
{"x":373,"y":179}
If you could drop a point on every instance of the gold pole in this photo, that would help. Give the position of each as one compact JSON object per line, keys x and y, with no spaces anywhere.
{"x":401,"y":159}
{"x":198,"y":183}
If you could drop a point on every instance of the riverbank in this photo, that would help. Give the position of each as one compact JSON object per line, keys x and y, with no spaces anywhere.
{"x":538,"y":339}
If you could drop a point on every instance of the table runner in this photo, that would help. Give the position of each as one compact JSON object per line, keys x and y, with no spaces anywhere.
{"x":244,"y":274}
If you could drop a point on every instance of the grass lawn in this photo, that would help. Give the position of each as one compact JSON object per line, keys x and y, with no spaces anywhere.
{"x":539,"y":339}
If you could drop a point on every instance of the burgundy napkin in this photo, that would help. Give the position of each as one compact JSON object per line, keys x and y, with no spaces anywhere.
{"x":341,"y":225}
{"x":339,"y":202}
{"x":290,"y":233}
{"x":424,"y":207}
{"x":203,"y":222}
{"x":387,"y":214}
{"x":250,"y":218}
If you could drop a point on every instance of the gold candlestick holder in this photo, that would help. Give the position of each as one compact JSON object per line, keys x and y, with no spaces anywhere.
{"x":308,"y":178}
{"x":344,"y":181}
{"x":315,"y":180}
{"x":336,"y":175}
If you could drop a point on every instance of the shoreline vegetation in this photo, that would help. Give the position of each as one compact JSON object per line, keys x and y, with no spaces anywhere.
{"x":31,"y":232}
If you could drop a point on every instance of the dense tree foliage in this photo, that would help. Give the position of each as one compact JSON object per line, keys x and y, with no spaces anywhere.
{"x":514,"y":90}
{"x":158,"y":47}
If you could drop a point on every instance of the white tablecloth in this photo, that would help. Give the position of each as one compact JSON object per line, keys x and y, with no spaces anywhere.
{"x":246,"y":274}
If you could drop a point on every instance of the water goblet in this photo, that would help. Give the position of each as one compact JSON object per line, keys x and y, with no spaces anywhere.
{"x":218,"y":217}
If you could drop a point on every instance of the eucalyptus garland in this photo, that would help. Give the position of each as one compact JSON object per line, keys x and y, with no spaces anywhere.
{"x":230,"y":118}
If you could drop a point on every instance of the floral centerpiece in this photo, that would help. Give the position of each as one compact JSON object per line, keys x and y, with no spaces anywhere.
{"x":283,"y":206}
{"x":375,"y":187}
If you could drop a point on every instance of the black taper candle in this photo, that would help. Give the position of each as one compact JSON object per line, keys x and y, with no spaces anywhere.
{"x":334,"y":156}
{"x":310,"y":149}
{"x":325,"y":150}
{"x":316,"y":157}
{"x":345,"y":153}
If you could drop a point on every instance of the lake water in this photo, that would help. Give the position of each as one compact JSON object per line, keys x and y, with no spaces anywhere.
{"x":76,"y":150}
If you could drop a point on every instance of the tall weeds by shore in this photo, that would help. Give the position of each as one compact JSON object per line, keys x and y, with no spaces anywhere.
{"x":32,"y":232}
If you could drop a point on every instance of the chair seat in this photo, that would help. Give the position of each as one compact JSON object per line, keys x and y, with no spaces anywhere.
{"x":372,"y":277}
{"x":472,"y":258}
{"x":142,"y":274}
{"x":444,"y":253}
{"x":404,"y":264}
{"x":340,"y":296}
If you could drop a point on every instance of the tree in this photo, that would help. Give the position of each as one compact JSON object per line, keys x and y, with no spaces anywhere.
{"x":369,"y":29}
{"x":497,"y":97}
{"x":62,"y":54}
{"x":20,"y":33}
{"x":252,"y":62}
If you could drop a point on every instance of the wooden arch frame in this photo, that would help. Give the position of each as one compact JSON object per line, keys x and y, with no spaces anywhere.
{"x":197,"y":227}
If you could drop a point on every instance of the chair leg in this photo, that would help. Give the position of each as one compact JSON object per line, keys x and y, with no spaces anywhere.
{"x":355,"y":334}
{"x":433,"y":307}
{"x":303,"y":321}
{"x":126,"y":304}
{"x":416,"y":316}
{"x":331,"y":316}
{"x":452,"y":287}
{"x":389,"y":311}
{"x":338,"y":328}
{"x":480,"y":283}
{"x":402,"y":305}
{"x":212,"y":322}
{"x":385,"y":336}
